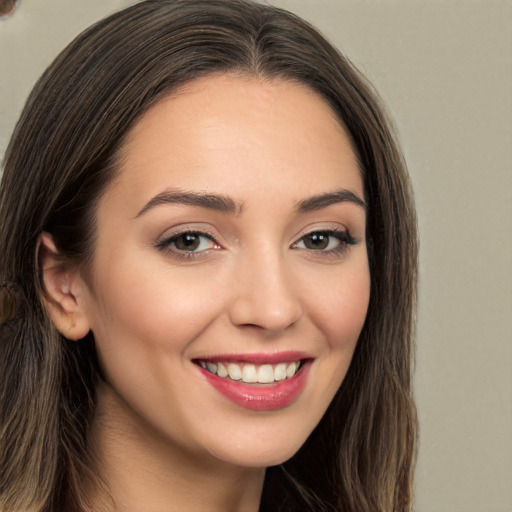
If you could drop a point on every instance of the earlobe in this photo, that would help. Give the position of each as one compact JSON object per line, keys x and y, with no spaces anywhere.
{"x":63,"y":294}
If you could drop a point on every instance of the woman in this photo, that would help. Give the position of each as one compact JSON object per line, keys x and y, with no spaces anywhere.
{"x":209,"y":265}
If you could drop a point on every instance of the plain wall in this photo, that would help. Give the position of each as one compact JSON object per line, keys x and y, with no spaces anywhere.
{"x":444,"y":69}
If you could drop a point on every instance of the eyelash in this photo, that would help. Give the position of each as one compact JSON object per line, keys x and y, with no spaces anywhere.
{"x":344,"y":238}
{"x":167,"y":243}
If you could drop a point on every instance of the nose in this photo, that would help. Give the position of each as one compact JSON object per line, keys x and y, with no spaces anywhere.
{"x":264,"y":294}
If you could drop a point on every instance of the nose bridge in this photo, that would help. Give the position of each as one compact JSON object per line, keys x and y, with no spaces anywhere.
{"x":264,"y":291}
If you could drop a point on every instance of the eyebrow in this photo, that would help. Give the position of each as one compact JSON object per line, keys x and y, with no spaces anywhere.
{"x":225,"y":204}
{"x":324,"y":200}
{"x":203,"y":200}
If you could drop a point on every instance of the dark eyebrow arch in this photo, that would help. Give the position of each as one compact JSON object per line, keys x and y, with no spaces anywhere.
{"x":202,"y":199}
{"x":324,"y":200}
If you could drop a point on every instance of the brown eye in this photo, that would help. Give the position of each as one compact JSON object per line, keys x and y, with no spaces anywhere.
{"x":328,"y":242}
{"x":187,"y":242}
{"x":317,"y":241}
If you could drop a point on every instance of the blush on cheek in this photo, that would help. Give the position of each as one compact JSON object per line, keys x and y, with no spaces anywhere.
{"x":344,"y":315}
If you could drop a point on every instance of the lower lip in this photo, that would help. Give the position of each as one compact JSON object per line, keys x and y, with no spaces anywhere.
{"x":267,"y":397}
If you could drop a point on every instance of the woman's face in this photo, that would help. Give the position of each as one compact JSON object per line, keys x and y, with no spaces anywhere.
{"x":230,"y":248}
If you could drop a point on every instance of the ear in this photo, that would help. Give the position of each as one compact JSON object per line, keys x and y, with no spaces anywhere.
{"x":64,"y":291}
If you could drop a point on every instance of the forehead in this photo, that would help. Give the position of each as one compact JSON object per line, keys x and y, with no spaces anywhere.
{"x":241,"y":129}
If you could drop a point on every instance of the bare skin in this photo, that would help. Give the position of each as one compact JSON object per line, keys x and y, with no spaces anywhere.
{"x":149,"y":483}
{"x":234,"y":231}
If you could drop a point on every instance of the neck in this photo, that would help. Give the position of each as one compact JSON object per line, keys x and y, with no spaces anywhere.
{"x":145,"y":472}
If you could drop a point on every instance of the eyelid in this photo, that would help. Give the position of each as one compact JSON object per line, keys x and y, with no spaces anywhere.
{"x":343,"y":235}
{"x":323,"y":227}
{"x":164,"y":242}
{"x":181,"y":229}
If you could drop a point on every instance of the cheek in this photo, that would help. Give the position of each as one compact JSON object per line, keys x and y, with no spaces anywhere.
{"x":152,"y":307}
{"x":339,"y":315}
{"x":341,"y":305}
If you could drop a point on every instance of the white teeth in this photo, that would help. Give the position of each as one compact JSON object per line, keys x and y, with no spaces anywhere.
{"x":234,"y":371}
{"x":291,"y":369}
{"x":280,"y":371}
{"x":211,"y":367}
{"x":221,"y":370}
{"x":251,"y":373}
{"x":265,"y":374}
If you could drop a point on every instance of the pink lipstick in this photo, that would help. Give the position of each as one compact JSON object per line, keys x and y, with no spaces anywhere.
{"x":261,"y":382}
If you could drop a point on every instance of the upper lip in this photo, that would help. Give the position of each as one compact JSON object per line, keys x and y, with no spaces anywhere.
{"x":256,"y":358}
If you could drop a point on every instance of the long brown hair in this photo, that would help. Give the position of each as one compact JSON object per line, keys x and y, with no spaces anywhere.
{"x":61,"y":156}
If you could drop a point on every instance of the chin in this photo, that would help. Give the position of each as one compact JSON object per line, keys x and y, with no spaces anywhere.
{"x":260,"y":450}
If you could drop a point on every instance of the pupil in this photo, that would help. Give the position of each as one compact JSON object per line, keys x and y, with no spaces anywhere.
{"x":317,"y":241}
{"x":187,"y":242}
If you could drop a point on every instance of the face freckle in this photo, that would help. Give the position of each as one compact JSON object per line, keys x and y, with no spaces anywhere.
{"x":233,"y":237}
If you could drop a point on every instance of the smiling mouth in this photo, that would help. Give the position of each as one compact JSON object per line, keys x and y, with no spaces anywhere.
{"x":260,"y":382}
{"x":252,"y":373}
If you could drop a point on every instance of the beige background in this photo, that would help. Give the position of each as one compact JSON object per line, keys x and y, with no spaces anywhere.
{"x":445,"y":71}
